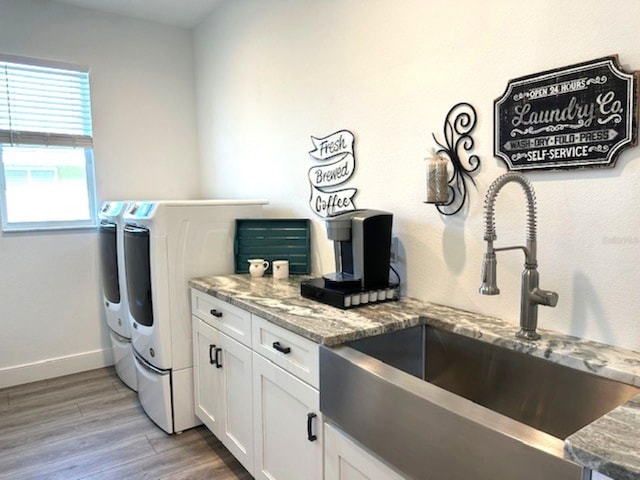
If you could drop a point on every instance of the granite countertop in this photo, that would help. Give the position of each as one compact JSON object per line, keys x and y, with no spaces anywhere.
{"x":610,"y":445}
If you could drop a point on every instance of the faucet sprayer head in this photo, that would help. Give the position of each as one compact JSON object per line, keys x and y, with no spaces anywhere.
{"x":489,"y":275}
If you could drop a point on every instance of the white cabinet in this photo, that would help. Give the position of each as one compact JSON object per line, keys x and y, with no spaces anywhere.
{"x":223,"y":316}
{"x":222,"y":369}
{"x":599,"y":476}
{"x":287,"y":425}
{"x":256,"y":389}
{"x":206,"y":380}
{"x":295,"y":354}
{"x":346,"y":460}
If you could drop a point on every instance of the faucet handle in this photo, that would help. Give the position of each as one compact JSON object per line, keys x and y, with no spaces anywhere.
{"x":545,"y":297}
{"x":551,"y":299}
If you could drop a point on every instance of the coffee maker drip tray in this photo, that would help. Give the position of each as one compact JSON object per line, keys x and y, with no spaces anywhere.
{"x":317,"y":289}
{"x":342,"y":281}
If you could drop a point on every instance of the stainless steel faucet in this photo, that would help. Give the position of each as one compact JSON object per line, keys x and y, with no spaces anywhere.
{"x":531,"y":295}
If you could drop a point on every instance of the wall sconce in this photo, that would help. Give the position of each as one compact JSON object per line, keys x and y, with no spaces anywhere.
{"x":446,"y":186}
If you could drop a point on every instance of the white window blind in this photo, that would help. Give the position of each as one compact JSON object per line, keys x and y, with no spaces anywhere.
{"x":46,"y":106}
{"x":47,"y":178}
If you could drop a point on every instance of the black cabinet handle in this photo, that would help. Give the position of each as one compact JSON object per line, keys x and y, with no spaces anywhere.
{"x":212,"y":360}
{"x":280,"y":348}
{"x":217,"y":358}
{"x":216,"y":313}
{"x":214,"y":356}
{"x":310,"y":436}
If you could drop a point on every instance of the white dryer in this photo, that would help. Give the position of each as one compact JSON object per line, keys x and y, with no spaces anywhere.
{"x":166,"y":244}
{"x":114,"y":289}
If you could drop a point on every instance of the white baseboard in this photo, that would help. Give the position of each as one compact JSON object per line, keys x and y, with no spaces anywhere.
{"x":54,"y":367}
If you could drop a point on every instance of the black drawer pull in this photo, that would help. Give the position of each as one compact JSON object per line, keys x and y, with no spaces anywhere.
{"x":216,"y":313}
{"x":310,"y":436}
{"x":280,"y":348}
{"x":212,"y":360}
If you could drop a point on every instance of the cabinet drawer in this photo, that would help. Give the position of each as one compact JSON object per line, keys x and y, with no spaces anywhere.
{"x":227,"y":318}
{"x":290,"y":351}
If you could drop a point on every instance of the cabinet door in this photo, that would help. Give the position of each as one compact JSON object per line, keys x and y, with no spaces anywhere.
{"x":234,"y":367}
{"x":207,"y":381}
{"x":286,"y":413}
{"x":222,"y":384}
{"x":344,"y":459}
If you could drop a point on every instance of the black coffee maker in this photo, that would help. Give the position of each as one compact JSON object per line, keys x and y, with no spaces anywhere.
{"x":362,"y":249}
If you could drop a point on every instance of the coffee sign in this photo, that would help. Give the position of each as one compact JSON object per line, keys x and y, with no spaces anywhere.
{"x":338,"y":163}
{"x":583,"y":115}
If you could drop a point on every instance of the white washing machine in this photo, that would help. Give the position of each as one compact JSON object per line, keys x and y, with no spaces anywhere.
{"x":166,"y":244}
{"x":114,"y":289}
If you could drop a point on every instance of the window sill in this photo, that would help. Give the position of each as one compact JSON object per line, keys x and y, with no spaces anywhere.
{"x":47,"y":229}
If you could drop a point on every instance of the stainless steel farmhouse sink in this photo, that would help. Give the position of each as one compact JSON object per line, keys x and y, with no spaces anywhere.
{"x":438,"y":405}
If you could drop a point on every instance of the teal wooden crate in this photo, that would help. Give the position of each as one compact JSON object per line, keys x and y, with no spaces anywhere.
{"x":273,"y":239}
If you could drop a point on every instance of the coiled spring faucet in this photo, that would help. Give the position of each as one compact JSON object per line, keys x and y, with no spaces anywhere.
{"x":531,"y":296}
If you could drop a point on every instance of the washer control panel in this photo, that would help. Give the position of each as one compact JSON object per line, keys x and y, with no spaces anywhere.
{"x":142,"y":210}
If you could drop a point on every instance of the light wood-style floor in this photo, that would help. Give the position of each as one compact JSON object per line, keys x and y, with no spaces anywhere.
{"x":90,"y":426}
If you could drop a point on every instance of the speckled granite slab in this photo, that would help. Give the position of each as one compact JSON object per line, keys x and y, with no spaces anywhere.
{"x":280,"y":303}
{"x":609,"y":445}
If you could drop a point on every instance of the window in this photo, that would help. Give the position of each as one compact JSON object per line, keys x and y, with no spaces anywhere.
{"x":46,"y":146}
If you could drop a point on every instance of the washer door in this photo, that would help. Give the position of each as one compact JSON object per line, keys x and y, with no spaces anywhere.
{"x":114,"y":303}
{"x":154,"y":393}
{"x":138,"y":272}
{"x":109,"y":261}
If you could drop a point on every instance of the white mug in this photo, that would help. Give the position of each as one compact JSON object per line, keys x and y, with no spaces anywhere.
{"x":257,"y":266}
{"x":280,"y":269}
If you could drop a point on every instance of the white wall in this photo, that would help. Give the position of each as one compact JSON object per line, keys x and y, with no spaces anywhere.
{"x":272,"y":73}
{"x":142,"y":84}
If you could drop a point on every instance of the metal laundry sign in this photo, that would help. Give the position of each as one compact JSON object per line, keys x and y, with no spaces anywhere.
{"x":582,"y":115}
